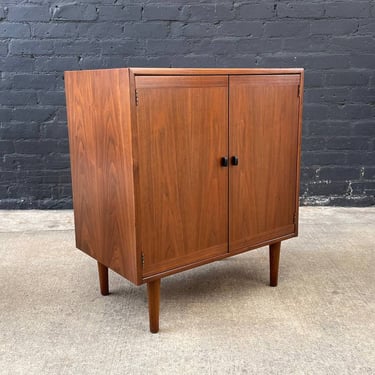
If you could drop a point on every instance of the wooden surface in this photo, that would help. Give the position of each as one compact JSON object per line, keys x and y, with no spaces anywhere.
{"x":263,"y":123}
{"x":157,"y":82}
{"x":213,"y":71}
{"x":274,"y":252}
{"x":181,"y":188}
{"x":201,"y":262}
{"x":300,"y":113}
{"x":103,"y":279}
{"x":168,"y":149}
{"x":150,"y":195}
{"x":98,"y":107}
{"x":203,"y":71}
{"x":153,"y":291}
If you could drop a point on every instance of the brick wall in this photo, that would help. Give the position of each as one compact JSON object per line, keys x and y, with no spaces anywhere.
{"x":333,"y":40}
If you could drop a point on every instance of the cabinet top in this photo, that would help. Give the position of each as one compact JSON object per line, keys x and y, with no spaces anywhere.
{"x":209,"y":71}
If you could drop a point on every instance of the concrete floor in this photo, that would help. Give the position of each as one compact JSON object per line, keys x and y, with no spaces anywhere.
{"x":220,"y":318}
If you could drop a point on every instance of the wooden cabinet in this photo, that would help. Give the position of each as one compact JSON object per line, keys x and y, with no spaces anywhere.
{"x":174,"y":168}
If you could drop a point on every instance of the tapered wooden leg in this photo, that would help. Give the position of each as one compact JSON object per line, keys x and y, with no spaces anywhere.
{"x":274,"y":263}
{"x":153,"y":291}
{"x":103,"y":279}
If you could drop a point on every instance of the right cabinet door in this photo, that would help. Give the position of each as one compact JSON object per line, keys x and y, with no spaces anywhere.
{"x":263,"y":135}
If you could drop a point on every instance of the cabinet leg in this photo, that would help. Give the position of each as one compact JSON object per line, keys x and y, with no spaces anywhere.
{"x":103,"y":279}
{"x":153,"y":291}
{"x":274,"y":263}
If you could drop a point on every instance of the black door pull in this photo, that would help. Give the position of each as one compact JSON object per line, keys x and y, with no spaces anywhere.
{"x":234,"y":160}
{"x":224,"y":161}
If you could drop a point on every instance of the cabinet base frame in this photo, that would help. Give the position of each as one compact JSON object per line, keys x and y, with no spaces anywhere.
{"x":153,"y":286}
{"x":146,"y":279}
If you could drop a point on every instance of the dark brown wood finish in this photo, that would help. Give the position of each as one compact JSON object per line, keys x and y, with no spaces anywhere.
{"x":103,"y":279}
{"x":153,"y":291}
{"x":274,"y":263}
{"x":263,"y":123}
{"x":181,"y":188}
{"x":98,"y":109}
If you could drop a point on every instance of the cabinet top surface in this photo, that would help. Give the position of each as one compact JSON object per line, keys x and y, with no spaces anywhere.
{"x":209,"y":71}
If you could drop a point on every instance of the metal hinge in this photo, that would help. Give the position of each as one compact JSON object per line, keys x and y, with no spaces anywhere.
{"x":136,"y":97}
{"x":143,"y":259}
{"x":299,"y":91}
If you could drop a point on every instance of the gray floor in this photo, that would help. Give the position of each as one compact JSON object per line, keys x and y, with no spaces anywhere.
{"x":217,"y":319}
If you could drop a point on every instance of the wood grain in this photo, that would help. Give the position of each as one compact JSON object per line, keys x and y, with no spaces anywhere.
{"x":263,"y":122}
{"x":146,"y":146}
{"x":103,"y":279}
{"x":274,"y":251}
{"x":300,"y":113}
{"x":99,"y":127}
{"x":181,"y":188}
{"x":214,"y":71}
{"x":189,"y":258}
{"x":242,"y":244}
{"x":215,"y":258}
{"x":143,"y":82}
{"x":266,"y":80}
{"x":153,"y":291}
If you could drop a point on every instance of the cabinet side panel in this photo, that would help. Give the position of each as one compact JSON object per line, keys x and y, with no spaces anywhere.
{"x":300,"y":113}
{"x":99,"y":127}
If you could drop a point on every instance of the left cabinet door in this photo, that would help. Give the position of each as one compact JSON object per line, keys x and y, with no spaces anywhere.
{"x":180,"y":186}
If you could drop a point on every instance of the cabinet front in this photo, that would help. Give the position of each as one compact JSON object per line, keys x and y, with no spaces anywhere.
{"x":263,"y":123}
{"x":181,"y":186}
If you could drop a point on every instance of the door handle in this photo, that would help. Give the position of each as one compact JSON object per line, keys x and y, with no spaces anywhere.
{"x":224,"y":161}
{"x":234,"y":160}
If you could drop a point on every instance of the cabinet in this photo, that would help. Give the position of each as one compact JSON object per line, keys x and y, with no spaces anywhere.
{"x":175,"y":168}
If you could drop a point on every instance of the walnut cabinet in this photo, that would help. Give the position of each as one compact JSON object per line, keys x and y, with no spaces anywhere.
{"x":175,"y":168}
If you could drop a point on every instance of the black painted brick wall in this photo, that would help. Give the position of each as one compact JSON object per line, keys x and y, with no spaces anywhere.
{"x":333,"y":40}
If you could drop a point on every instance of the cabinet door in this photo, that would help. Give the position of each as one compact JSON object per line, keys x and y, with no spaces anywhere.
{"x":263,"y":123}
{"x":181,"y":187}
